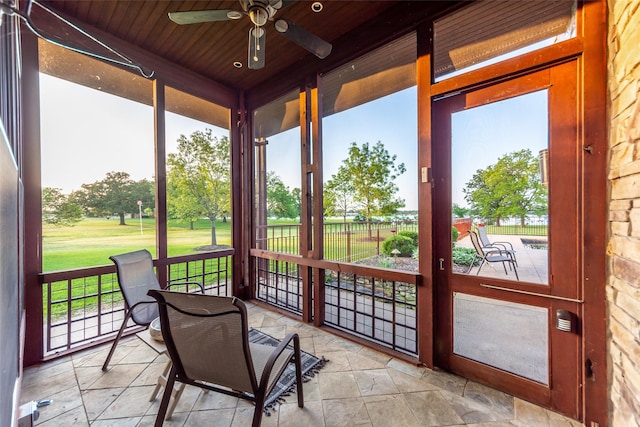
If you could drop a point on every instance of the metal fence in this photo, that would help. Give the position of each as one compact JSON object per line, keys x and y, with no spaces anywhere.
{"x":531,"y":226}
{"x":345,"y":241}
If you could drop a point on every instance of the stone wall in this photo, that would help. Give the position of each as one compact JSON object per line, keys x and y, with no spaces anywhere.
{"x":623,"y":287}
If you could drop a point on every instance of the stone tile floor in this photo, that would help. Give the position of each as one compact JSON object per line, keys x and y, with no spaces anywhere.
{"x":357,"y":387}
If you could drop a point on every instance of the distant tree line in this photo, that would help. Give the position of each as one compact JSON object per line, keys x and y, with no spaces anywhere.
{"x":117,"y":194}
{"x":199,"y":186}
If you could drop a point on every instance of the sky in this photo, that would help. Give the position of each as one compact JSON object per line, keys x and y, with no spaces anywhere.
{"x":87,"y":133}
{"x":483,"y":134}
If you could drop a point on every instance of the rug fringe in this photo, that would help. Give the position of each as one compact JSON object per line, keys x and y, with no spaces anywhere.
{"x":306,"y":377}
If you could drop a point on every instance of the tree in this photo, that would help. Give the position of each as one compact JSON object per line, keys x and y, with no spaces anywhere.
{"x":281,"y":202}
{"x":371,"y":171}
{"x":296,"y":193}
{"x":58,"y":209}
{"x":116,"y":194}
{"x":509,"y":188}
{"x":459,"y":211}
{"x":199,"y":178}
{"x":339,"y":193}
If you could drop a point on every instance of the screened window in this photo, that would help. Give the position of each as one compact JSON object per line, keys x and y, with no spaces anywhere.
{"x":276,"y":130}
{"x":97,"y":161}
{"x":370,"y":158}
{"x":198,"y":174}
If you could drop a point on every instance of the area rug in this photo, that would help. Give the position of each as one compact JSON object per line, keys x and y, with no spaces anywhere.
{"x":287,"y":382}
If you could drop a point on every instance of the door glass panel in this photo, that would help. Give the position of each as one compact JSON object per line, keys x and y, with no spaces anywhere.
{"x":499,"y":189}
{"x":509,"y":336}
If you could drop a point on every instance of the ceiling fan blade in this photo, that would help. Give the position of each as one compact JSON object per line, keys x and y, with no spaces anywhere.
{"x":304,"y":38}
{"x":257,"y":40}
{"x":197,"y":16}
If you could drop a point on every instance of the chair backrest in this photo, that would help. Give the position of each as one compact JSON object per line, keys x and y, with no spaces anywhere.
{"x":482,"y":234}
{"x":135,"y":278}
{"x":207,"y":338}
{"x":475,"y":240}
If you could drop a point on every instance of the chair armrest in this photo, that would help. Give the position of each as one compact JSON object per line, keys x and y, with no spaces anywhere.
{"x":504,"y":245}
{"x":170,"y":284}
{"x":266,"y":373}
{"x":497,"y":249}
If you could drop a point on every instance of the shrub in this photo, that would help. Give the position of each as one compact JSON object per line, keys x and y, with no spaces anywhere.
{"x":404,"y":244}
{"x":413,"y":235}
{"x":385,"y":262}
{"x":454,"y":235}
{"x":464,"y":256}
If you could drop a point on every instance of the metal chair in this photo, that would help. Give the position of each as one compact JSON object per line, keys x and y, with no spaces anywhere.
{"x":489,"y":255}
{"x":488,"y":244}
{"x":207,"y":339}
{"x":135,"y":278}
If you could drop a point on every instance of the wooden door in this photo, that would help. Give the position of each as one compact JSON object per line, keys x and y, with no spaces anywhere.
{"x":510,"y":154}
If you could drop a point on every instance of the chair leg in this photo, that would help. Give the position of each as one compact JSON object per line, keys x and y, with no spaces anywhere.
{"x":475,"y":256}
{"x":481,"y":265}
{"x":516,"y":271}
{"x":505,"y":267}
{"x":165,"y":397}
{"x":257,"y":413}
{"x":105,"y":366}
{"x":298,"y":363}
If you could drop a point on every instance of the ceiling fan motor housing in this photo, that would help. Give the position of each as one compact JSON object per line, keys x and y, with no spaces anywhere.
{"x":260,"y":11}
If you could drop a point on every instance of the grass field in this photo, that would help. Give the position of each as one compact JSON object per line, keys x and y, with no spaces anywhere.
{"x":91,"y":242}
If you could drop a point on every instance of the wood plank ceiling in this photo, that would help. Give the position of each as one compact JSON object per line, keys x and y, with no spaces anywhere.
{"x":210,"y":49}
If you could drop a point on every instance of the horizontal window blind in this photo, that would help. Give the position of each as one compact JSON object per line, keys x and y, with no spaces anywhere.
{"x":488,"y":29}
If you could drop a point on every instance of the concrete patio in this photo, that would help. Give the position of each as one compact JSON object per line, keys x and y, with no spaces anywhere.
{"x":533,"y":263}
{"x":358,"y":386}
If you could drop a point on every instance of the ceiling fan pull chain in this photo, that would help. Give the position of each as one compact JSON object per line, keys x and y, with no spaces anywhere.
{"x":257,"y":44}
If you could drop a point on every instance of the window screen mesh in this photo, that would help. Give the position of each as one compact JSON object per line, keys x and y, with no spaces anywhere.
{"x":506,"y":335}
{"x":386,"y":70}
{"x":488,"y":29}
{"x":382,"y":72}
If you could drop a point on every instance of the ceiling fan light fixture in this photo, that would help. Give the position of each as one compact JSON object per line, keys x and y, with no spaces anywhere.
{"x":258,"y":15}
{"x":281,"y":26}
{"x":256,"y":32}
{"x":234,"y":14}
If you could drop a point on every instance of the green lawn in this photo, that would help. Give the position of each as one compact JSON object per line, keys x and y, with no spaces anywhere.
{"x":90,"y":242}
{"x":93,"y":240}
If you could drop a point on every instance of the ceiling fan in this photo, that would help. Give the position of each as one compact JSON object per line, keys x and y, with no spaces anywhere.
{"x":259,"y":12}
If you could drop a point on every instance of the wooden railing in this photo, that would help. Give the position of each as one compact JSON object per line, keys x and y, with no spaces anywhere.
{"x":85,"y":306}
{"x":373,"y":303}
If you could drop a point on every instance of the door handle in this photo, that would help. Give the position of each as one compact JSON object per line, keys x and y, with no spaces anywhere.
{"x":441,"y":264}
{"x":535,"y":294}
